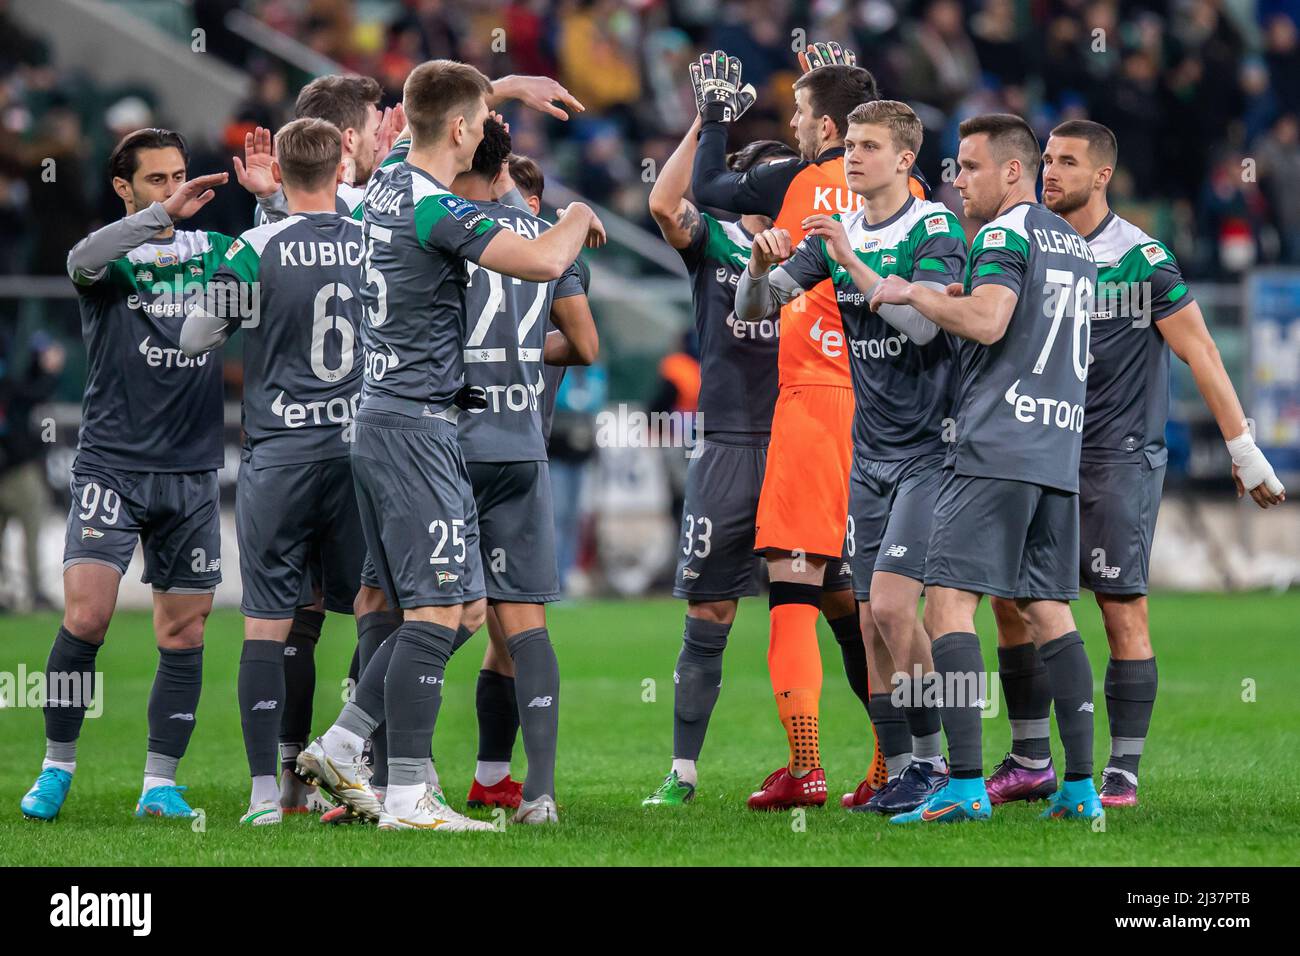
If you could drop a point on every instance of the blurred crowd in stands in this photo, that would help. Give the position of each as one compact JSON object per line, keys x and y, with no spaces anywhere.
{"x":1204,"y":96}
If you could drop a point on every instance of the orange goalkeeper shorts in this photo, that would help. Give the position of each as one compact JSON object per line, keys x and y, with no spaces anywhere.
{"x":804,"y":504}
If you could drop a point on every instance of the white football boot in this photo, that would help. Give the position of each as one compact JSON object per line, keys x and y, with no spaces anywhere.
{"x":536,"y":812}
{"x":264,"y":814}
{"x":344,"y":776}
{"x":432,"y":812}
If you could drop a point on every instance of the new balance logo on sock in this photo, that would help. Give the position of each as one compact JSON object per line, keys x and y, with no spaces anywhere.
{"x":546,"y":701}
{"x":896,"y":550}
{"x":265,"y":705}
{"x":1086,"y":705}
{"x":290,"y":651}
{"x":181,"y":717}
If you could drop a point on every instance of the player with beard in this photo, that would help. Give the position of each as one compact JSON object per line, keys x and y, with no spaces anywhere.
{"x":1144,"y":311}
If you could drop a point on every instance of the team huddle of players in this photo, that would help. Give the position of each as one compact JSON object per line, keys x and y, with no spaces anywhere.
{"x":971,"y":420}
{"x":886,"y":410}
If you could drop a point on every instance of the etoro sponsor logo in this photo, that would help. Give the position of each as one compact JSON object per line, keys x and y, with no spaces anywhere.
{"x":766,"y":329}
{"x":336,"y":411}
{"x":888,"y":347}
{"x":1054,"y":412}
{"x":830,"y":341}
{"x":156,"y":356}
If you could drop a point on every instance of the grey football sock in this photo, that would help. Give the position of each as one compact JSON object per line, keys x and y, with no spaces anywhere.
{"x":70,"y":668}
{"x":1070,"y":675}
{"x":890,"y":724}
{"x":958,"y":662}
{"x":373,"y":630}
{"x":261,"y":690}
{"x":300,"y":676}
{"x":1130,"y":698}
{"x":1029,"y":700}
{"x":412,"y":696}
{"x":537,"y":689}
{"x":60,"y":751}
{"x":161,"y":765}
{"x":697,"y":681}
{"x":498,"y":716}
{"x":174,"y":700}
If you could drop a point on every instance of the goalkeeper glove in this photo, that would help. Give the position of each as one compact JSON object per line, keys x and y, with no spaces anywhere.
{"x":1252,"y":467}
{"x":715,"y":78}
{"x":471,"y":398}
{"x":826,"y":54}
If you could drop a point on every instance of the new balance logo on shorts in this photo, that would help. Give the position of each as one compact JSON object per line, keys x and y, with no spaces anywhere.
{"x":896,"y":550}
{"x":1099,"y":565}
{"x":545,"y":701}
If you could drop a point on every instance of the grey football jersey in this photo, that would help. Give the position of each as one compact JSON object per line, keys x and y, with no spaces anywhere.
{"x":418,"y":236}
{"x":505,"y":334}
{"x":903,"y":392}
{"x":1138,"y":285}
{"x":1021,"y":404}
{"x":147,"y":406}
{"x":738,"y":375}
{"x":302,"y":358}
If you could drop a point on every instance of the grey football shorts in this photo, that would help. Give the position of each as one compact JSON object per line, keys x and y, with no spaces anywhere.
{"x":715,"y":552}
{"x":516,"y":526}
{"x":175,"y":517}
{"x":1118,"y":503}
{"x":417,"y":510}
{"x":891,"y":511}
{"x":1005,"y":538}
{"x":298,"y":525}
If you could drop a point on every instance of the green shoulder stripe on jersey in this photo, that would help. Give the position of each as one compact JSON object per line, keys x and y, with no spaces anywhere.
{"x":1177,"y":292}
{"x":192,"y":257}
{"x":989,"y":269}
{"x":397,"y":154}
{"x":999,"y":237}
{"x":930,"y":265}
{"x":1137,"y":264}
{"x":719,"y":247}
{"x":936,"y":223}
{"x":243,"y":260}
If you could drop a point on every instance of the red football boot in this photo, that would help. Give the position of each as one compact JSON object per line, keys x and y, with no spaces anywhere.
{"x":504,"y":793}
{"x":871,"y":784}
{"x":780,"y":791}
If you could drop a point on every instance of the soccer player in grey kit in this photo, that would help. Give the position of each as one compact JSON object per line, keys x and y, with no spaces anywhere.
{"x":413,"y":489}
{"x":302,"y":360}
{"x":1006,"y":520}
{"x":146,"y":466}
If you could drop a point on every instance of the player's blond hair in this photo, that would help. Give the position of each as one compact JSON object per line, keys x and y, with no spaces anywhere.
{"x":904,"y":126}
{"x":309,"y":152}
{"x":438,"y":91}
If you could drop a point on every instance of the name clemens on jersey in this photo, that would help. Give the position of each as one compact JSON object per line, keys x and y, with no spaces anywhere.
{"x":1065,"y":243}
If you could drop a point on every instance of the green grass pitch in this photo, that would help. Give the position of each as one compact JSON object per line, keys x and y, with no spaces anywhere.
{"x":1220,"y":780}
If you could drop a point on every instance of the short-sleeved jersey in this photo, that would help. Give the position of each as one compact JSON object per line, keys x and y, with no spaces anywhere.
{"x":506,"y":334}
{"x":302,"y":355}
{"x":1138,"y":285}
{"x":418,"y":236}
{"x":903,"y":391}
{"x":148,"y":406}
{"x":1021,"y":405}
{"x":738,"y":374}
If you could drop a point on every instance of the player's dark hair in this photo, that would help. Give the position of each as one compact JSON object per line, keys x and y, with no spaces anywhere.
{"x":1102,"y":145}
{"x":834,"y":90}
{"x":309,"y":152}
{"x":437,"y":91}
{"x":528,"y":176}
{"x":493,"y":150}
{"x":125,"y":159}
{"x":1009,"y":137}
{"x":757,"y":152}
{"x":342,"y":99}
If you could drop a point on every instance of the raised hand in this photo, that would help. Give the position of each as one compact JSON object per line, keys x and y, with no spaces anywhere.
{"x":825,"y":54}
{"x":536,"y":92}
{"x":771,"y":247}
{"x":193,"y":195}
{"x":391,"y":126}
{"x":254,"y":172}
{"x":831,"y":231}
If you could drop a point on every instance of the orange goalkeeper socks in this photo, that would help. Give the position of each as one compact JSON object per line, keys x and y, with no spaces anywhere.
{"x":795,"y":664}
